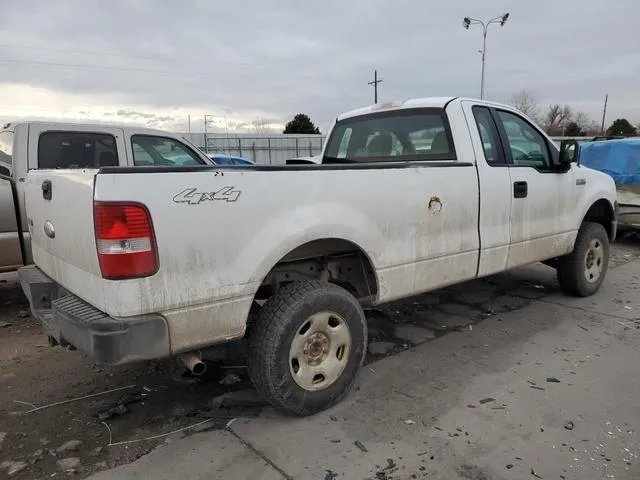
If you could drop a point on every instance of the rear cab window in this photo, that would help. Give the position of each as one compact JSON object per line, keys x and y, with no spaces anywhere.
{"x":404,"y":135}
{"x":152,"y":150}
{"x":76,"y":150}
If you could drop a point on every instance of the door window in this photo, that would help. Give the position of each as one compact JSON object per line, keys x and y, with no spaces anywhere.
{"x":527,"y":146}
{"x":150,"y":150}
{"x":489,"y":136}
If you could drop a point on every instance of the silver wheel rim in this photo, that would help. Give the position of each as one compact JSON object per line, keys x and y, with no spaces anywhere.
{"x":594,"y":261}
{"x":320,"y":351}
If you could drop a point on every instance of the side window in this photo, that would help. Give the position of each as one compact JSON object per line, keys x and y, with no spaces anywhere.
{"x":77,"y":150}
{"x":527,"y":146}
{"x":489,"y":136}
{"x":150,"y":150}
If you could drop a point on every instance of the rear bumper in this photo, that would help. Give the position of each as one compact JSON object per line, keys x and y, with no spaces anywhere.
{"x":71,"y":321}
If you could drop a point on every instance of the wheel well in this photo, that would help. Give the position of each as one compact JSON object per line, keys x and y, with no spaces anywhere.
{"x":332,"y":259}
{"x":601,"y":212}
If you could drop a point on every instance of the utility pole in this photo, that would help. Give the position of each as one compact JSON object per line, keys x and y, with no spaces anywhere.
{"x":604,"y":112}
{"x":375,"y":83}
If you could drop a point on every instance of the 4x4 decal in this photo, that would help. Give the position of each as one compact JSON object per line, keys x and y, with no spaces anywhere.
{"x":193,"y":197}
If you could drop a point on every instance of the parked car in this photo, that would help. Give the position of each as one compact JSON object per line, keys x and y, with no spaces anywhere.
{"x":26,"y":146}
{"x":144,"y":263}
{"x":222,"y":159}
{"x":620,"y":159}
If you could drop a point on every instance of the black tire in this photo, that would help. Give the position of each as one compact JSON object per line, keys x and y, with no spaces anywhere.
{"x":283,"y":317}
{"x":572,"y":276}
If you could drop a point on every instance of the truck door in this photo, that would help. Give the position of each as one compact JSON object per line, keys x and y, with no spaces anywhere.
{"x":542,"y":198}
{"x":495,"y":189}
{"x":10,"y":249}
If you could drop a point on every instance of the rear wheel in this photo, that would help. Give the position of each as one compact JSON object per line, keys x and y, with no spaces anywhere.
{"x":582,"y":271}
{"x":306,"y":347}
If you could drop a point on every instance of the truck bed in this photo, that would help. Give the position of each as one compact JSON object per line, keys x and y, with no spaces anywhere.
{"x":220,"y":230}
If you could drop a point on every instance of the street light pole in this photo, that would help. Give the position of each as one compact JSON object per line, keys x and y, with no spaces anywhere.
{"x":467,"y":22}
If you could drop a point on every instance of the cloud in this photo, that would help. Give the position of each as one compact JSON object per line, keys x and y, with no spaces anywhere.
{"x":272,"y":59}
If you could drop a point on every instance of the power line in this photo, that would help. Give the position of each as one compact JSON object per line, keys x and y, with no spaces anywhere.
{"x":167,"y":73}
{"x":86,"y":52}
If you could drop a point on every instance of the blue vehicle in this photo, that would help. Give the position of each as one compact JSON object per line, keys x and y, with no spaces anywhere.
{"x":620,"y":159}
{"x":222,"y":159}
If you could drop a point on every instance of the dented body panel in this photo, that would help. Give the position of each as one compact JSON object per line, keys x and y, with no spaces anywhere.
{"x":220,"y":231}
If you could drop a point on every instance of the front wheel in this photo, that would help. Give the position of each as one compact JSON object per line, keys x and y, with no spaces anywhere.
{"x":306,"y":346}
{"x":582,"y":271}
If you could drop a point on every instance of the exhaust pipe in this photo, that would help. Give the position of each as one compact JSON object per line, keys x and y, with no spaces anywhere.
{"x":193,"y":363}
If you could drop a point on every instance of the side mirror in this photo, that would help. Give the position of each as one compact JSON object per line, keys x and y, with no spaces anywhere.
{"x":569,"y":152}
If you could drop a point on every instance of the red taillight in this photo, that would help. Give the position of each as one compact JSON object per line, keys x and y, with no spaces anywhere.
{"x":125,"y":240}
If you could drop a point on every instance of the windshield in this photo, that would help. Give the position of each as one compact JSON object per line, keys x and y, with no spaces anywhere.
{"x":6,"y":147}
{"x":400,"y":135}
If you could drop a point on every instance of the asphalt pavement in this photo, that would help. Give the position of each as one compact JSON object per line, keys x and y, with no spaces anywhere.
{"x":547,"y":391}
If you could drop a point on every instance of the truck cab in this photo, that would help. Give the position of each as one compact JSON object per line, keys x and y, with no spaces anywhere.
{"x":35,"y":145}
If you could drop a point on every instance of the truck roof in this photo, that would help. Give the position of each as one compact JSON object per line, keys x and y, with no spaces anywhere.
{"x":426,"y":102}
{"x":11,"y":125}
{"x":437,"y":102}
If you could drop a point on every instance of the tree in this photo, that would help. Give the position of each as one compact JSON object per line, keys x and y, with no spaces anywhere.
{"x":526,"y":102}
{"x":582,"y":120}
{"x":556,"y":119}
{"x":301,"y":123}
{"x":573,"y":130}
{"x":261,"y":125}
{"x":621,"y":126}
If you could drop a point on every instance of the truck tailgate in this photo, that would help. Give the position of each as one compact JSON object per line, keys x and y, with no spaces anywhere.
{"x":59,"y":205}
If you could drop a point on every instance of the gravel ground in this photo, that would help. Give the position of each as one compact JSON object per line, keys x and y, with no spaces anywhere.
{"x":69,"y":438}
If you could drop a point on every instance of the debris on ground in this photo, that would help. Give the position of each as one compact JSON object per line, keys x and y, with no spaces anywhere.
{"x":119,"y":406}
{"x":70,"y":446}
{"x":536,"y":387}
{"x":24,"y":314}
{"x":68,"y":464}
{"x":552,"y":380}
{"x":113,"y":411}
{"x":584,"y":328}
{"x":390,"y":468}
{"x":330,"y":475}
{"x":230,"y":379}
{"x":471,"y":405}
{"x":409,"y":422}
{"x":12,"y":468}
{"x":361,"y":446}
{"x":487,"y":400}
{"x":533,"y":472}
{"x":5,"y":324}
{"x":510,"y":466}
{"x":569,"y":425}
{"x":2,"y":436}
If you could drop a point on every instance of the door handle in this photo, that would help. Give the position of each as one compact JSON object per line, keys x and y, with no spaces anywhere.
{"x":46,"y":190}
{"x":520,"y":189}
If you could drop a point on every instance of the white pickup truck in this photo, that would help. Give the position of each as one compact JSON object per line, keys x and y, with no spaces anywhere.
{"x":30,"y":145}
{"x":149,"y":262}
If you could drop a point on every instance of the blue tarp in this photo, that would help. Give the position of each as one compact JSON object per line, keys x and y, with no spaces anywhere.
{"x":618,"y":158}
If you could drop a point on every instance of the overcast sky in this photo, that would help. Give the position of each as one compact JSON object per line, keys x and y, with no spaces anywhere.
{"x":157,"y":61}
